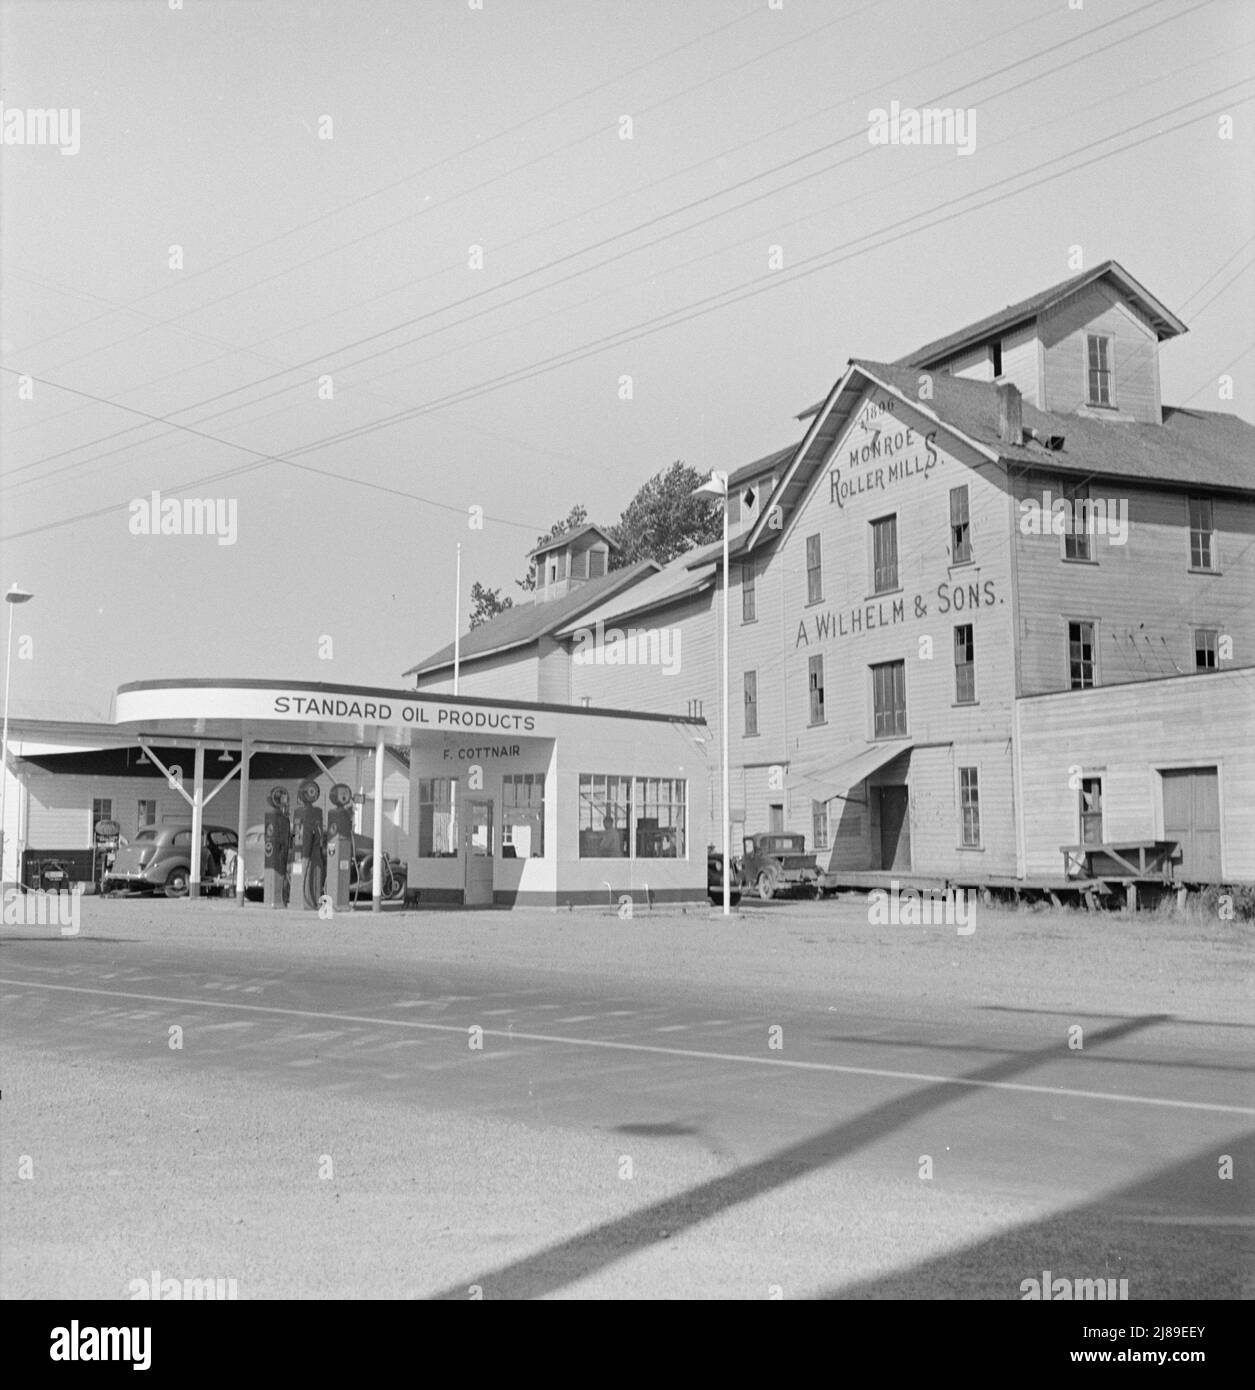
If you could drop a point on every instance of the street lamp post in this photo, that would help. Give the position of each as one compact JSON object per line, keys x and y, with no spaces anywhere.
{"x":717,"y":486}
{"x":12,"y":598}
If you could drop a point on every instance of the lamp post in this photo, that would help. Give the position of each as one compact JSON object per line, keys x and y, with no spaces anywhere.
{"x":717,"y":486}
{"x":12,"y":598}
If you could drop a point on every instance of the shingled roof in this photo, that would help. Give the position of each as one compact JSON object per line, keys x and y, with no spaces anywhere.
{"x":528,"y":622}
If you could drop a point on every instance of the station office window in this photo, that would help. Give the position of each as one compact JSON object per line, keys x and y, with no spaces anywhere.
{"x":523,"y":815}
{"x":437,"y":830}
{"x":814,"y":571}
{"x":1206,"y":648}
{"x":960,"y":526}
{"x":969,"y":807}
{"x":749,"y":593}
{"x":1202,"y":535}
{"x":964,"y":665}
{"x":884,"y":554}
{"x":751,"y":703}
{"x":889,"y":698}
{"x":816,"y":684}
{"x":102,"y":809}
{"x":1099,"y":350}
{"x":1082,"y":671}
{"x":605,"y":815}
{"x":660,"y":804}
{"x":819,"y":824}
{"x":145,"y":813}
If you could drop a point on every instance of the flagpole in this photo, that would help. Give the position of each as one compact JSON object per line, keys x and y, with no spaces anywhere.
{"x":457,"y":621}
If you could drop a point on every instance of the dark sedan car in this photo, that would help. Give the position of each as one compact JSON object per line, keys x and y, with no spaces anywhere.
{"x":159,"y":859}
{"x":714,"y":878}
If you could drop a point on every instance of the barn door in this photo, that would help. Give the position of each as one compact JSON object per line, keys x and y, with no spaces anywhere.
{"x":1191,"y":816}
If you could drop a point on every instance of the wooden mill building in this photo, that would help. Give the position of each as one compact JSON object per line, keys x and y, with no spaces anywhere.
{"x":995,"y":601}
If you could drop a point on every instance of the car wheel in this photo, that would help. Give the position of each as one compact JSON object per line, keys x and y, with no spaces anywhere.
{"x":766,"y":886}
{"x":176,"y":884}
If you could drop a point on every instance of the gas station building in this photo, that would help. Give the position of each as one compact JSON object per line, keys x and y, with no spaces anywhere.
{"x":487,"y":802}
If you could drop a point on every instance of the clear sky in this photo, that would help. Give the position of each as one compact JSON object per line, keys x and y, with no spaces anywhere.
{"x":603,"y":258}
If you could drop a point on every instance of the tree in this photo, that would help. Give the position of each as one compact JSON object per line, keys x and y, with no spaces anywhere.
{"x":575,"y":518}
{"x":486,"y":603}
{"x":664,"y":519}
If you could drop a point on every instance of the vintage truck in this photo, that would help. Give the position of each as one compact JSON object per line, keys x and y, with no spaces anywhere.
{"x":777,"y":862}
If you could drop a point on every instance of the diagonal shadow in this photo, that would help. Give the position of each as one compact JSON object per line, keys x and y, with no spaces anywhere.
{"x":556,"y":1266}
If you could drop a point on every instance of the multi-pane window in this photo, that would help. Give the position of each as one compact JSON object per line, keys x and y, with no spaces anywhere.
{"x":751,"y":702}
{"x":102,"y":809}
{"x":145,"y":813}
{"x":1091,"y":810}
{"x":960,"y":526}
{"x":969,"y":807}
{"x":1206,"y":648}
{"x":749,"y":593}
{"x":964,"y":664}
{"x":1099,"y":347}
{"x":884,"y":554}
{"x":523,"y":815}
{"x":814,"y":571}
{"x":889,"y":698}
{"x":660,"y":808}
{"x":819,"y":824}
{"x":1202,"y":535}
{"x":437,"y":835}
{"x":1082,"y":670}
{"x":605,"y":815}
{"x":815,"y":684}
{"x":1077,"y":542}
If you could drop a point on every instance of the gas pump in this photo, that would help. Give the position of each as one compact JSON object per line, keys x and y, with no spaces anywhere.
{"x":106,"y":837}
{"x":278,"y":842}
{"x":340,"y":845}
{"x":308,"y":862}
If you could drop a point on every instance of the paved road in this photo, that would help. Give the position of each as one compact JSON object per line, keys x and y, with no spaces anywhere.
{"x":331,"y":1127}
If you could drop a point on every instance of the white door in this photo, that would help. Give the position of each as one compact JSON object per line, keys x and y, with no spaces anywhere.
{"x":477,"y":851}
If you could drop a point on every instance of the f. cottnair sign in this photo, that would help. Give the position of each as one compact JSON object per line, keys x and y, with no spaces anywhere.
{"x":200,"y":705}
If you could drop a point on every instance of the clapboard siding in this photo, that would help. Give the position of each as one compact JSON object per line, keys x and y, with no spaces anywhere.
{"x":1135,"y":370}
{"x":509,"y":676}
{"x":976,"y":364}
{"x":935,"y":595}
{"x":1142,"y":595}
{"x":1126,"y":735}
{"x":1020,"y":363}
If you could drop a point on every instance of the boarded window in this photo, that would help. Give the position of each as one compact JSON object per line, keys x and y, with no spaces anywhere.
{"x":964,"y":664}
{"x":884,"y":554}
{"x":814,"y":571}
{"x":751,"y":702}
{"x":749,"y":593}
{"x":889,"y":698}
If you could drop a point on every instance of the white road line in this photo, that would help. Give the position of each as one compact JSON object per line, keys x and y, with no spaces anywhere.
{"x":683,"y":1053}
{"x":673,"y":1028}
{"x":575,"y":1018}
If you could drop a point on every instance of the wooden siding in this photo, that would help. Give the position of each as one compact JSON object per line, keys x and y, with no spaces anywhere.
{"x":1020,"y":364}
{"x":854,"y":629}
{"x":1126,"y":735}
{"x":1144,"y":599}
{"x":512,"y":675}
{"x":1135,"y":361}
{"x":975,"y":365}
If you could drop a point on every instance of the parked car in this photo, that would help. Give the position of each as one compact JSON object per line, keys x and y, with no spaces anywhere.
{"x":159,"y":859}
{"x":362,"y":877}
{"x":714,"y":878}
{"x":776,"y":862}
{"x":254,"y":861}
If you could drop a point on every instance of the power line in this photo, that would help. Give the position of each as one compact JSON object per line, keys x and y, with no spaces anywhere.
{"x":322,"y":358}
{"x":699,"y":308}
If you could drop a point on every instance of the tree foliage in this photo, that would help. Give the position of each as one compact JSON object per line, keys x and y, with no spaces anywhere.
{"x":575,"y":518}
{"x":486,"y":603}
{"x":664,"y":519}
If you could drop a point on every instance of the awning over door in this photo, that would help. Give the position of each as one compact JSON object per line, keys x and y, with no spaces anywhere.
{"x":833,"y":774}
